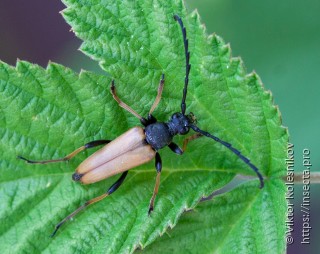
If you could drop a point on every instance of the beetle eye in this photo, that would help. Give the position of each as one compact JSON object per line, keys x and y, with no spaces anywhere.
{"x":184,"y":130}
{"x":175,"y":116}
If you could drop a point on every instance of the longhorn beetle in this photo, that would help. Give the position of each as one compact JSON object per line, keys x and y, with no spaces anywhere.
{"x":140,"y":145}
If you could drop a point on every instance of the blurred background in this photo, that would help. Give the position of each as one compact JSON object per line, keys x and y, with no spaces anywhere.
{"x":280,"y":40}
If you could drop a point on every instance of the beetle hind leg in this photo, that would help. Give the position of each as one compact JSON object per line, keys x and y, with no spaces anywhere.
{"x":69,"y":156}
{"x":158,"y":165}
{"x":112,"y":189}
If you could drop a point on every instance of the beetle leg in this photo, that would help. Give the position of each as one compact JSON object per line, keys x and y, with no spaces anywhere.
{"x":175,"y":148}
{"x":158,"y":165}
{"x":71,"y":155}
{"x":158,"y":98}
{"x":151,"y":119}
{"x":125,"y":106}
{"x":188,"y":139}
{"x":112,"y":189}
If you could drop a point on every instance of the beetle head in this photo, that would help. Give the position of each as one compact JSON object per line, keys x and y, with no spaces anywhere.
{"x":179,"y":123}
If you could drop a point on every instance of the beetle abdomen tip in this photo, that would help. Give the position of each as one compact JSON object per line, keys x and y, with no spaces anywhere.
{"x":76,"y":177}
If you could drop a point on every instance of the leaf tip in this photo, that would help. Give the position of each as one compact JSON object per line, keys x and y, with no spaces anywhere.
{"x":68,"y":14}
{"x":195,"y":14}
{"x":83,"y":73}
{"x":20,"y":64}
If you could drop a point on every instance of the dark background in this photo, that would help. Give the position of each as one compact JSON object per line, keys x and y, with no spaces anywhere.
{"x":280,"y":40}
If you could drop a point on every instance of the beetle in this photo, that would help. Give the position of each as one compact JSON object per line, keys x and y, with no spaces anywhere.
{"x":140,"y":145}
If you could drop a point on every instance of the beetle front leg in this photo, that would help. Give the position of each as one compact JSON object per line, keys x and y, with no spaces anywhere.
{"x":158,"y":98}
{"x":188,"y":139}
{"x":124,"y":105}
{"x":176,"y":149}
{"x":71,"y":155}
{"x":158,"y":165}
{"x":112,"y":189}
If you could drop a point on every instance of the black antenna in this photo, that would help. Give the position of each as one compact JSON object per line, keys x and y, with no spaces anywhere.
{"x":229,"y":146}
{"x":188,"y":65}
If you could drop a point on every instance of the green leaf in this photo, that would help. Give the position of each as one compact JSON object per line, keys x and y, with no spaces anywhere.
{"x":137,"y":41}
{"x":244,"y":220}
{"x":49,"y":113}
